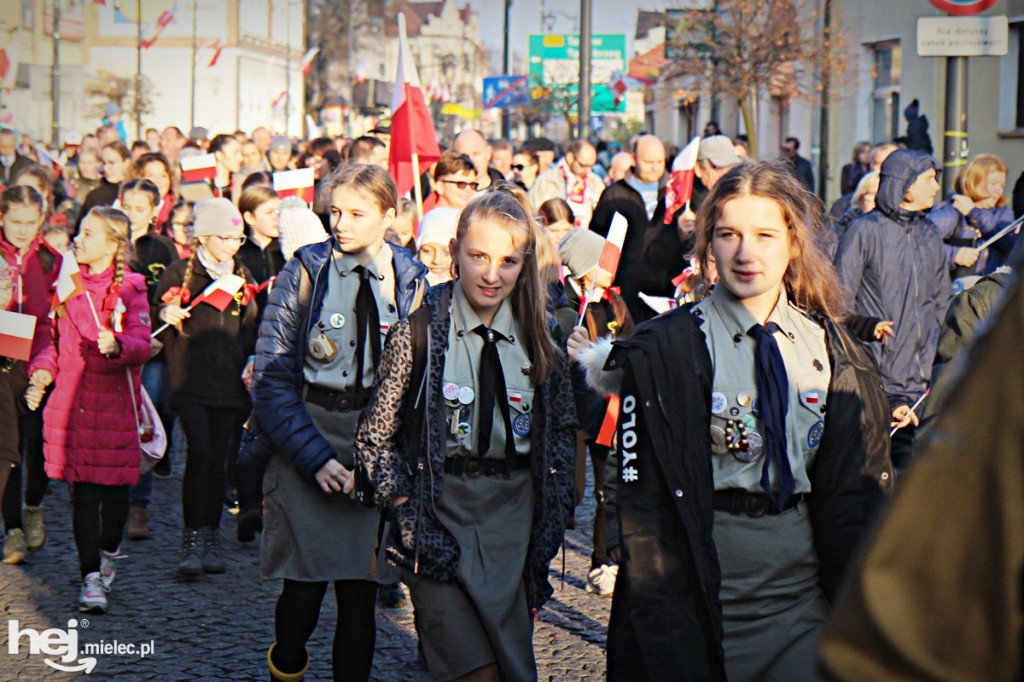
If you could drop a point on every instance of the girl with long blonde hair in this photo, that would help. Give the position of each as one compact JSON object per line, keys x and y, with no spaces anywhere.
{"x":754,"y":446}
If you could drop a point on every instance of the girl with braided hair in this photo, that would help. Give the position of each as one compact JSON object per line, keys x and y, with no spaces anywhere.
{"x":207,"y":350}
{"x":90,"y":432}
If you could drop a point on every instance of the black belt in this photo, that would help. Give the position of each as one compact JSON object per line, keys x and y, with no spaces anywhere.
{"x":969,"y":242}
{"x":336,"y":401}
{"x":750,"y":504}
{"x":481,"y":466}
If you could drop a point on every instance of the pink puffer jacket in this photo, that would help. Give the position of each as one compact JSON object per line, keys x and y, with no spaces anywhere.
{"x":89,"y":431}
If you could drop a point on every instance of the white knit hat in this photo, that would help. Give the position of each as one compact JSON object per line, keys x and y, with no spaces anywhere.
{"x":438,"y":226}
{"x":216,"y":216}
{"x":298,"y":226}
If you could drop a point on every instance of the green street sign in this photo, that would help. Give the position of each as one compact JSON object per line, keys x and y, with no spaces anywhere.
{"x":555,"y":64}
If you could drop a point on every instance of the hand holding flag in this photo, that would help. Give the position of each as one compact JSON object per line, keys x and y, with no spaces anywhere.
{"x":610,"y":255}
{"x":69,"y":282}
{"x":219,"y":294}
{"x":679,"y":190}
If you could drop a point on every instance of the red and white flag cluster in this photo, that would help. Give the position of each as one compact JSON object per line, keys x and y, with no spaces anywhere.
{"x":679,"y":190}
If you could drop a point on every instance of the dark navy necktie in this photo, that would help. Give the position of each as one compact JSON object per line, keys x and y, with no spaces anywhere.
{"x":491,"y":385}
{"x":773,"y":399}
{"x":367,"y":324}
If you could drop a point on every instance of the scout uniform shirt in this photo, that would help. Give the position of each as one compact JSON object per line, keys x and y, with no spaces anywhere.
{"x":461,"y":369}
{"x":734,"y":407}
{"x":337,"y":321}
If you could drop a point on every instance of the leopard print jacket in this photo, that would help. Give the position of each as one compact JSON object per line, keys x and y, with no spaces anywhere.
{"x":398,"y":468}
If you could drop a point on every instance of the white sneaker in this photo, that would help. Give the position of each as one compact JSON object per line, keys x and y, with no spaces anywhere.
{"x":93,"y":598}
{"x":108,"y":567}
{"x":601,"y":580}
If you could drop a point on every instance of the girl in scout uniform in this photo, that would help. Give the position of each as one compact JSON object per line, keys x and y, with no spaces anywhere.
{"x":479,"y":483}
{"x":319,"y":346}
{"x":746,"y":530}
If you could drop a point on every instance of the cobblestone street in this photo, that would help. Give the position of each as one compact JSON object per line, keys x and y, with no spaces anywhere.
{"x":219,"y":627}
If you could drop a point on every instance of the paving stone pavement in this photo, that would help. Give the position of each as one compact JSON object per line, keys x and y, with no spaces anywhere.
{"x":219,"y":627}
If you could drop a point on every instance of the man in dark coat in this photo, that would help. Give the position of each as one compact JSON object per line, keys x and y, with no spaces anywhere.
{"x":802,"y":168}
{"x":640,"y":199}
{"x":893,"y":262}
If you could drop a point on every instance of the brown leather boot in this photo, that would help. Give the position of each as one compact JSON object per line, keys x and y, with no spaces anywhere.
{"x":137,"y":519}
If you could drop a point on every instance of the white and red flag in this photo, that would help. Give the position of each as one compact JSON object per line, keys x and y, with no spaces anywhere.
{"x":220,"y":293}
{"x":9,"y":63}
{"x":279,"y":100}
{"x":295,"y":183}
{"x":46,"y":157}
{"x":413,"y":138}
{"x":612,"y":251}
{"x":198,"y":168}
{"x":307,"y":60}
{"x":163,"y":21}
{"x":16,"y":331}
{"x":69,"y":282}
{"x":679,"y":190}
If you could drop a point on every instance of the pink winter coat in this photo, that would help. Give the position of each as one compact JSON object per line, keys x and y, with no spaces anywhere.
{"x":89,"y":431}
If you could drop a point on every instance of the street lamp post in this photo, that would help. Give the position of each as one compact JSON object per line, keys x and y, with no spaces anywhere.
{"x":55,"y":78}
{"x":138,"y":69}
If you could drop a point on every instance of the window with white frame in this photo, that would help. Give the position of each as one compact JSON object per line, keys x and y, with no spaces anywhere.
{"x":885,"y":93}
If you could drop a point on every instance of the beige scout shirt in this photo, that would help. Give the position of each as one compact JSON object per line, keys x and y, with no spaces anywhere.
{"x":459,"y":383}
{"x":337,"y":320}
{"x":801,"y":342}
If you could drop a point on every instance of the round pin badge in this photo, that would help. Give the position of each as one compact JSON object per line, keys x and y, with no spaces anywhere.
{"x":718,"y":403}
{"x":755,"y":448}
{"x":815,"y":433}
{"x":466,"y":395}
{"x":337,"y":320}
{"x":526,"y":368}
{"x":734,"y":411}
{"x":463,"y":429}
{"x":450,"y":391}
{"x":521,"y":425}
{"x":718,"y":444}
{"x":743,"y":399}
{"x":749,"y":422}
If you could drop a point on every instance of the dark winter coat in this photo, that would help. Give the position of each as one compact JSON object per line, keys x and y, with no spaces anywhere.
{"x":666,"y":620}
{"x":419,"y":541}
{"x":281,"y":350}
{"x":892,"y":261}
{"x":652,"y":253}
{"x":264,"y":264}
{"x":89,"y":429}
{"x":205,"y":360}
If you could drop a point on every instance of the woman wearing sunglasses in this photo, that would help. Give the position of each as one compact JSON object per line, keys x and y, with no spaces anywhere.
{"x":525,"y":165}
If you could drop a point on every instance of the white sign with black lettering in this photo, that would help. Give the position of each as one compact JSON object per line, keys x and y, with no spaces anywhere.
{"x":987,"y":36}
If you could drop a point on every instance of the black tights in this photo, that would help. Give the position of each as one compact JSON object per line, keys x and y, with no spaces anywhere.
{"x":296,"y":615}
{"x":98,"y":515}
{"x":211,"y":433}
{"x":35,"y":473}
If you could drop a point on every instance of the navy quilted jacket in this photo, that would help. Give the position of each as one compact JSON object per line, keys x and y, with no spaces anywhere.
{"x":281,"y":349}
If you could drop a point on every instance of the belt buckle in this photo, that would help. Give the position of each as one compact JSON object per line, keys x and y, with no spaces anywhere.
{"x":756,"y":506}
{"x":474,"y":466}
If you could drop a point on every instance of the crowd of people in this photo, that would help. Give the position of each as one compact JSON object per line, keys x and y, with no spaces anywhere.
{"x":389,"y":394}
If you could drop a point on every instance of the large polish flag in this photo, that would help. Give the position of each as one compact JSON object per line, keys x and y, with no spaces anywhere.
{"x":412,"y":129}
{"x":679,"y":190}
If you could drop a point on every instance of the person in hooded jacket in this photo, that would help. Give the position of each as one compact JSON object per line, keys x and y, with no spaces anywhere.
{"x":892,"y":260}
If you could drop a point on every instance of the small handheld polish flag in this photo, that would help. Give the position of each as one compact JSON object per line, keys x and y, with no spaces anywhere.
{"x":220,"y":293}
{"x":295,"y":183}
{"x":198,"y":168}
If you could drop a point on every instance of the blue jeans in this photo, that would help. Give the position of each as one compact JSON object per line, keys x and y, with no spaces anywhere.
{"x":154,"y":380}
